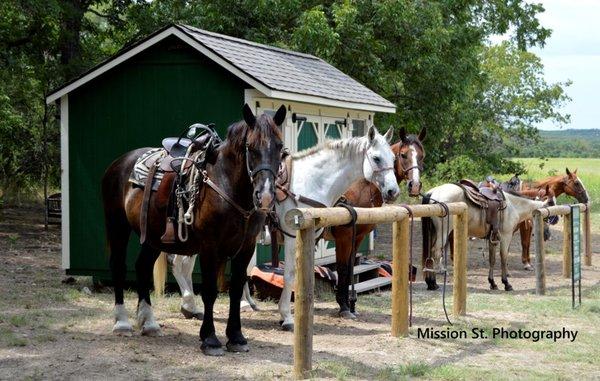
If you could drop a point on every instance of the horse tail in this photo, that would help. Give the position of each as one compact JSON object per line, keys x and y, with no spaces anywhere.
{"x":159,"y":273}
{"x":221,"y":277}
{"x":428,"y":229}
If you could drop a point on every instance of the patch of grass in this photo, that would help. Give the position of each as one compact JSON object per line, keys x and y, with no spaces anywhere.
{"x":335,"y":369}
{"x":18,"y":320}
{"x":45,"y":338}
{"x":403,"y":372}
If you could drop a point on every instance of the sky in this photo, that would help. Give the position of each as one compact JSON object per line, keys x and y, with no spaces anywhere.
{"x":573,"y":52}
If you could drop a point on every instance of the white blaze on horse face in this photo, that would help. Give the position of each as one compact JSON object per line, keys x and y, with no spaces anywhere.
{"x":416,"y":175}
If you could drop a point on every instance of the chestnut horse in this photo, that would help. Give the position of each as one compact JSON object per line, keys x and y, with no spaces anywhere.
{"x":228,"y":215}
{"x":569,"y":184}
{"x":409,"y":154}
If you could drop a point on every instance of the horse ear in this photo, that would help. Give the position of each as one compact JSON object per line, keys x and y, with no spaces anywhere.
{"x":249,"y":117}
{"x":371,"y":133}
{"x":568,"y":172}
{"x":279,"y":117}
{"x":575,"y":171}
{"x":422,"y":134}
{"x":389,"y":134}
{"x":402,"y":133}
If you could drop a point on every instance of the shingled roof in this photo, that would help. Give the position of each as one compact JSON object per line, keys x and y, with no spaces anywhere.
{"x":275,"y":72}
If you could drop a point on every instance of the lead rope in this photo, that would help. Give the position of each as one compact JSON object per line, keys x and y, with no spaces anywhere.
{"x":445,"y":228}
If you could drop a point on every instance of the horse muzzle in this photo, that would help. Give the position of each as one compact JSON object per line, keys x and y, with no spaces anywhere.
{"x":414,"y":188}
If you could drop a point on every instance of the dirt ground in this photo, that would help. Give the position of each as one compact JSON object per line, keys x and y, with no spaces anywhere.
{"x":51,"y":330}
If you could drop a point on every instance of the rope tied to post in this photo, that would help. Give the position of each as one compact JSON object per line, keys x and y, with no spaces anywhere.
{"x":410,"y":264}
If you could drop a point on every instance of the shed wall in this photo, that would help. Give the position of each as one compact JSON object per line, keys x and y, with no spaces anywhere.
{"x":155,"y":94}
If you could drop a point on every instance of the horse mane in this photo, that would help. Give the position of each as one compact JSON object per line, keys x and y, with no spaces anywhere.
{"x":349,"y":146}
{"x":516,"y":194}
{"x":412,"y":139}
{"x":261,"y":134}
{"x":547,"y":181}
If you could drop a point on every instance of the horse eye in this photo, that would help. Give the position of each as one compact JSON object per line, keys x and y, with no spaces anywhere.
{"x":377,"y":159}
{"x":403,"y":155}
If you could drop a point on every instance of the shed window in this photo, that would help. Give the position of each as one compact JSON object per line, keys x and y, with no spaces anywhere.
{"x":358,"y":127}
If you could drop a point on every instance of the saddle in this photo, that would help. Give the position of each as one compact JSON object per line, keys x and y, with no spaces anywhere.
{"x":488,"y":199}
{"x":171,"y":173}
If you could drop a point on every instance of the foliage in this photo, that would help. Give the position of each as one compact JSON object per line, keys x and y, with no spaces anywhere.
{"x":566,"y":143}
{"x":431,"y":58}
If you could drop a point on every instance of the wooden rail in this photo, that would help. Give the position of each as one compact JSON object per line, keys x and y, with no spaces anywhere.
{"x":308,"y":220}
{"x":540,"y":252}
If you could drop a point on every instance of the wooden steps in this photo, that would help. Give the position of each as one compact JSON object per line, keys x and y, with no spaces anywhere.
{"x":372,"y":284}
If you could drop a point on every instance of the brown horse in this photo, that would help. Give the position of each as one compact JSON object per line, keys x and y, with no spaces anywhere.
{"x":228,"y":215}
{"x":569,"y":184}
{"x":409,"y":154}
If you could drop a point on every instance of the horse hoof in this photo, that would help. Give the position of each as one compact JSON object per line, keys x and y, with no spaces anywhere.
{"x":254,"y":307}
{"x":528,"y":267}
{"x":289,"y":327}
{"x":152,"y":330}
{"x":237,"y":348}
{"x":212,"y":351}
{"x":191,"y":315}
{"x":347,"y":315}
{"x":433,"y":287}
{"x":493,"y":287}
{"x":122,"y":329}
{"x":508,"y":287}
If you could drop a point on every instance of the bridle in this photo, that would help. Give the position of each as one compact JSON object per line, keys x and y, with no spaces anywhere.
{"x":252,"y":172}
{"x":569,"y":187}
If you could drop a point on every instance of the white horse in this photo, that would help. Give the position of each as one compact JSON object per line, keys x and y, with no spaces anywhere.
{"x":322,"y":174}
{"x":436,"y":236}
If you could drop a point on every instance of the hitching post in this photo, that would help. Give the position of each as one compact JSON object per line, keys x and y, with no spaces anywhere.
{"x":588,"y":235}
{"x":540,"y":272}
{"x":400,"y":263}
{"x":461,"y":239}
{"x":304,"y":302}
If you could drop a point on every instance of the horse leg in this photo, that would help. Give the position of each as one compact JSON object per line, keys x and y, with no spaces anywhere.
{"x":434,"y":252}
{"x":247,"y":297}
{"x":236,"y":340}
{"x":143,"y":268}
{"x":342,"y":252}
{"x":182,"y":268}
{"x":118,"y":231}
{"x":289,"y":276}
{"x":504,"y":244}
{"x":492,"y":258}
{"x":525,"y":229}
{"x":211,"y":346}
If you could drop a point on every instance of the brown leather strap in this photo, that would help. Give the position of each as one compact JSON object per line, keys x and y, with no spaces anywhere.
{"x":145,"y":204}
{"x":245,"y":213}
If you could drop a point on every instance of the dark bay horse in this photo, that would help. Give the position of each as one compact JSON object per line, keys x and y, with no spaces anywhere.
{"x":409,"y":154}
{"x":227,"y":218}
{"x":568,"y":184}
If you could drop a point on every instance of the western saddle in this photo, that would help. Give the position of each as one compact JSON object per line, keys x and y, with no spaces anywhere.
{"x":179,"y":165}
{"x":489,"y":199}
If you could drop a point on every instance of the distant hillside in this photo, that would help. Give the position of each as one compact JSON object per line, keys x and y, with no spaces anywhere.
{"x":565,"y":143}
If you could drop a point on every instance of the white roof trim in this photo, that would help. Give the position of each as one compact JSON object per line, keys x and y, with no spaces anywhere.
{"x":223,"y":63}
{"x":313,"y":99}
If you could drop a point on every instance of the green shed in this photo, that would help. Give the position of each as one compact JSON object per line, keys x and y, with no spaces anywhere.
{"x":173,"y":78}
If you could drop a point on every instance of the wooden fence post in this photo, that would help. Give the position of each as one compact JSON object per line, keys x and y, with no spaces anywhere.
{"x":540,"y":272}
{"x":588,"y":235}
{"x":567,"y":246}
{"x":461,"y":239}
{"x":400,"y":263}
{"x":304,"y":302}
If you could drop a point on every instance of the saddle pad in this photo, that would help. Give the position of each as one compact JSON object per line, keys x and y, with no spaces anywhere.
{"x":142,"y":166}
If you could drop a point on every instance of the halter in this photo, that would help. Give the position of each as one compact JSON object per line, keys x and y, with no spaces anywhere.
{"x":567,"y":186}
{"x":262,"y":167}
